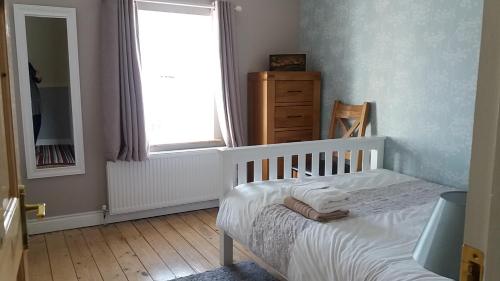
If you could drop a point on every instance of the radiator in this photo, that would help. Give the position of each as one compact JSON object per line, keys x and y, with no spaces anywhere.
{"x":164,"y":180}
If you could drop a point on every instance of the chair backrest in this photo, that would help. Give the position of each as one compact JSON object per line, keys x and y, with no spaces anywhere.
{"x":350,"y":120}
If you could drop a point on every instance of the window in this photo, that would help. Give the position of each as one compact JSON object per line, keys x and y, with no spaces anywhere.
{"x":178,"y":60}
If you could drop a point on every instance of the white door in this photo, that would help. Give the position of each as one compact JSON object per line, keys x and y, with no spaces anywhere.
{"x":11,"y":235}
{"x":481,"y":255}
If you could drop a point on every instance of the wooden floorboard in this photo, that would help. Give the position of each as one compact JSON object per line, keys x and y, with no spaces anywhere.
{"x":85,"y":266}
{"x":106,"y":262}
{"x":161,"y":248}
{"x":61,"y":264}
{"x":149,"y":258}
{"x":211,"y":235}
{"x":130,"y":264}
{"x":38,"y":259}
{"x":190,"y":254}
{"x":206,"y":218}
{"x":199,"y":243}
{"x":167,"y":253}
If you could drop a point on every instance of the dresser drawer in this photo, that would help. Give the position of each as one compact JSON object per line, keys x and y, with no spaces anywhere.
{"x":293,"y":116}
{"x":293,"y":136}
{"x":294,"y":91}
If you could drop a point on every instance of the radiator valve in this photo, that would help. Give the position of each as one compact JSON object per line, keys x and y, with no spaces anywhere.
{"x":105,"y":211}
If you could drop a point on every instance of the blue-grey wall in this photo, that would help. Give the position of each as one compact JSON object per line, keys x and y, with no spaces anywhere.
{"x":417,"y":62}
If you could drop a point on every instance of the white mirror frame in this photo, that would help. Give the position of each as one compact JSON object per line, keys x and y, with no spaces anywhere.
{"x":20,"y":13}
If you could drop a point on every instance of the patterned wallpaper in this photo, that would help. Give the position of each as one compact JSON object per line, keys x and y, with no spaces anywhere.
{"x":416,"y":61}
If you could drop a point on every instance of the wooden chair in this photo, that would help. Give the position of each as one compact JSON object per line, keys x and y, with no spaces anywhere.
{"x":343,"y":113}
{"x":347,"y":121}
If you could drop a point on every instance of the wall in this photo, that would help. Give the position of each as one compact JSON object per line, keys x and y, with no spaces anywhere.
{"x":416,"y":61}
{"x":80,"y":193}
{"x":263,"y":27}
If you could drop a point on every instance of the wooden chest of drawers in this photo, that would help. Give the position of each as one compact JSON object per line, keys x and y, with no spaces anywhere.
{"x":283,"y":107}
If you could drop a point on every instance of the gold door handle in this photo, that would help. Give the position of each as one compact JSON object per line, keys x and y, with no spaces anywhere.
{"x":39,"y":208}
{"x":40,"y":213}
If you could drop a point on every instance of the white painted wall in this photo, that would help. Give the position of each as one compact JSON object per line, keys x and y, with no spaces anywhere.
{"x":264,"y":27}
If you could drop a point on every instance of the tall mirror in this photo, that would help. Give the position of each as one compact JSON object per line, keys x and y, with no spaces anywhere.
{"x":47,"y":53}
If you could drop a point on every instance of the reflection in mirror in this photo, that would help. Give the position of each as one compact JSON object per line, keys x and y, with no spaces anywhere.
{"x":49,"y":89}
{"x":47,"y":45}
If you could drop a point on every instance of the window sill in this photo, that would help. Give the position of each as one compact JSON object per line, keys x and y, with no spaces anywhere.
{"x":184,"y":147}
{"x":186,"y":152}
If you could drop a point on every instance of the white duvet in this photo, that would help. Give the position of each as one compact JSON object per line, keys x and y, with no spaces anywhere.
{"x":369,"y":248}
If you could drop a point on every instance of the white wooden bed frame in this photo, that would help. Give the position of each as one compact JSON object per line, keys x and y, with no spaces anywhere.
{"x":235,"y":165}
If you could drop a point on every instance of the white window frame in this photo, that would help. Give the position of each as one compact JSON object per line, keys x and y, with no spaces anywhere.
{"x":194,"y":7}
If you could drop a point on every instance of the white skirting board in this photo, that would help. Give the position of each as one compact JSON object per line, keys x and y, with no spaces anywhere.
{"x":57,"y":223}
{"x":50,"y":224}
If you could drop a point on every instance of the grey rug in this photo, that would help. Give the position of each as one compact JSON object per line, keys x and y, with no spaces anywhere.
{"x":243,"y":271}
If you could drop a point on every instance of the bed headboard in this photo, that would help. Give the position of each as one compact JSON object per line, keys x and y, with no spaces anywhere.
{"x":276,"y":159}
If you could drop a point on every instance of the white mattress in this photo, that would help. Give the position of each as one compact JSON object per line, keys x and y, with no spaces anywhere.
{"x":372,"y":248}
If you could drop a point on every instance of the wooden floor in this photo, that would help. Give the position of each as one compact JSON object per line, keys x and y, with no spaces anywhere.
{"x":160,"y":248}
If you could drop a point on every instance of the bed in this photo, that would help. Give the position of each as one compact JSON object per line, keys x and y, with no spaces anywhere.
{"x":388,"y":213}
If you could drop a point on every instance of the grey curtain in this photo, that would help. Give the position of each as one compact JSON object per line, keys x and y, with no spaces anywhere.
{"x":231,"y":96}
{"x":124,"y":129}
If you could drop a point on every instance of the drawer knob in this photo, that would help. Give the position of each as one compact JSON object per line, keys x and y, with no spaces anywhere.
{"x":295,"y":91}
{"x":294,"y":116}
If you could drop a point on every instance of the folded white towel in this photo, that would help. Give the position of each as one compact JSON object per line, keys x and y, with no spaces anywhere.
{"x":320,"y":196}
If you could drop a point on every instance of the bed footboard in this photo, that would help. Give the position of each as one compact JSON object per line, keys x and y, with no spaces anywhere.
{"x":276,"y":159}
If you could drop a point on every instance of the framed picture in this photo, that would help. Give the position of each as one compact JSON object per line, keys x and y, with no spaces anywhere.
{"x":287,"y":62}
